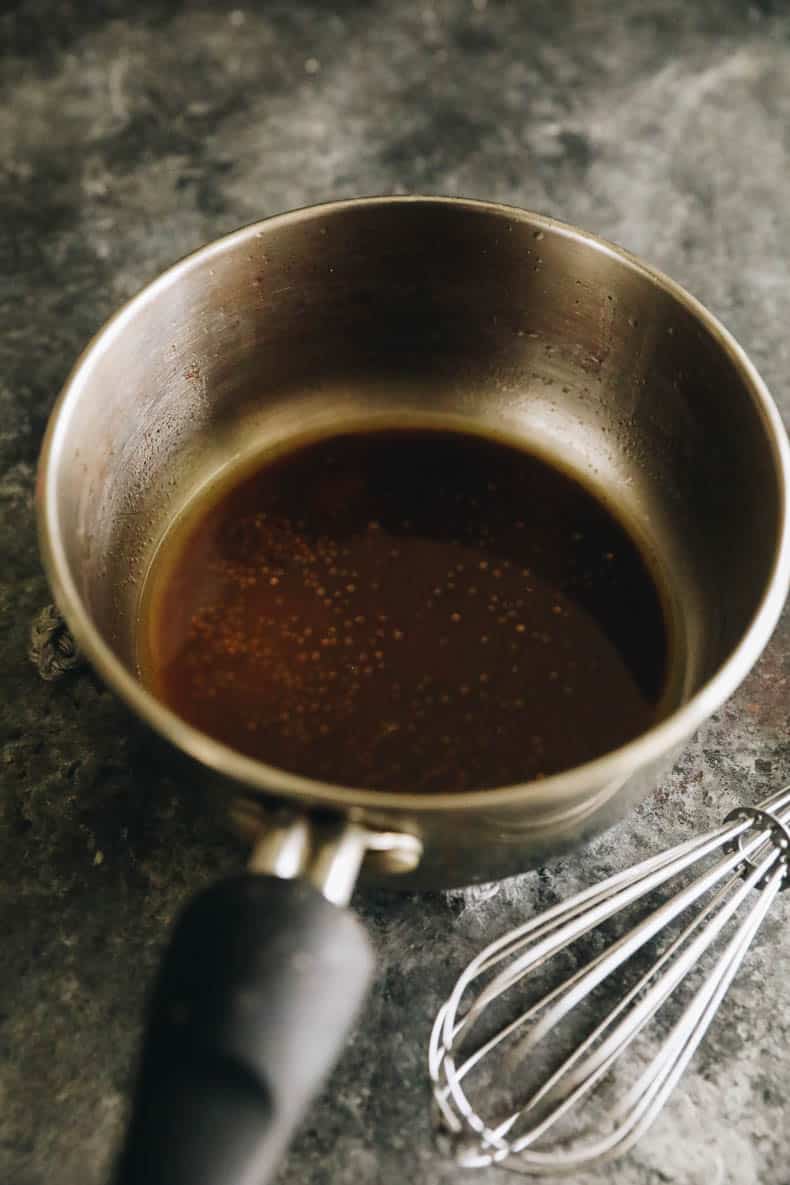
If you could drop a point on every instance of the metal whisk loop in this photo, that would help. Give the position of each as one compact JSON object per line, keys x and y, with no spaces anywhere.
{"x":766,"y":820}
{"x":754,"y":854}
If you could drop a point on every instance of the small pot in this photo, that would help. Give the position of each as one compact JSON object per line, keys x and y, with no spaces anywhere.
{"x":376,"y":312}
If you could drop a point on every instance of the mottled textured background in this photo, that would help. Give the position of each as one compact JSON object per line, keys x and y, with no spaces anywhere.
{"x":130,"y":133}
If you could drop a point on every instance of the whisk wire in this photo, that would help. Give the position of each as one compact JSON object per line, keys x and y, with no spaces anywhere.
{"x":590,"y":1072}
{"x":755,"y":847}
{"x":559,"y":932}
{"x":668,"y":862}
{"x":670,"y":1063}
{"x":635,"y":991}
{"x":561,"y":925}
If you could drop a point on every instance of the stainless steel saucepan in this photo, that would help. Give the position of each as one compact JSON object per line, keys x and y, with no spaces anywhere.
{"x":377,"y":312}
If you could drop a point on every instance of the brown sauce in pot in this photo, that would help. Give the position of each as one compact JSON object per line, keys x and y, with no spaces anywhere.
{"x":414,"y":610}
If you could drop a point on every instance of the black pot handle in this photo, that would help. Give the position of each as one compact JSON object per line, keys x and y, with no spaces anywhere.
{"x":257,"y":991}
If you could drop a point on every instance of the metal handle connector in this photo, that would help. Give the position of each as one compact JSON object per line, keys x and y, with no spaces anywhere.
{"x":328,"y":854}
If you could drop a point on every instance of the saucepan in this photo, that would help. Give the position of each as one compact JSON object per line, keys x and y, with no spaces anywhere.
{"x":355,"y":314}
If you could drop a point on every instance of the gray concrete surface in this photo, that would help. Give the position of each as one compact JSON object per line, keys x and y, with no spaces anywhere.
{"x":132,"y":133}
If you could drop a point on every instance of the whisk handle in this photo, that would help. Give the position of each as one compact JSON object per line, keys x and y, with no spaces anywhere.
{"x":258,"y":989}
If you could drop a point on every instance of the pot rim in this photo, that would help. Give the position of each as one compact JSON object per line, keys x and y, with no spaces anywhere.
{"x":260,"y":778}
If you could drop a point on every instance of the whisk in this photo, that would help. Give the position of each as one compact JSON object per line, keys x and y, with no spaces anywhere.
{"x":585,"y":1106}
